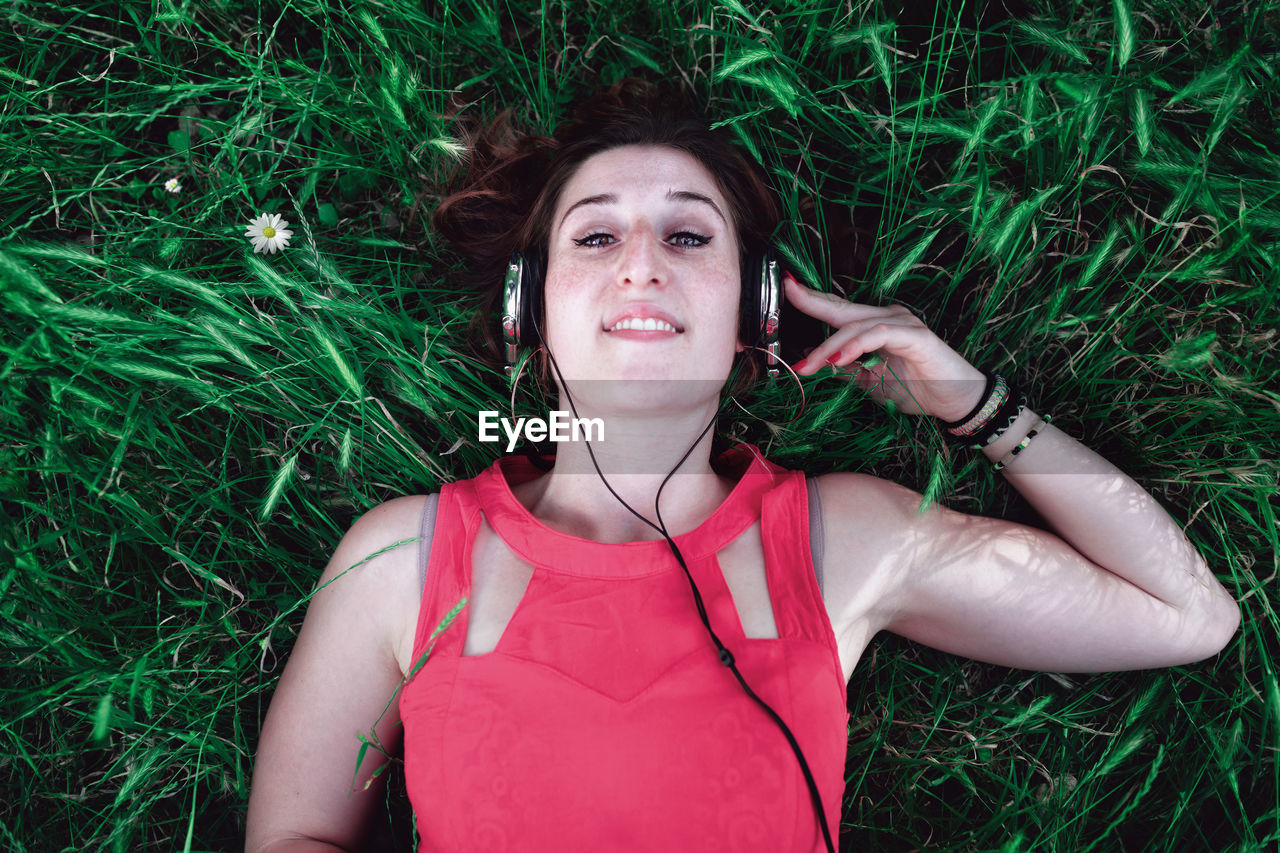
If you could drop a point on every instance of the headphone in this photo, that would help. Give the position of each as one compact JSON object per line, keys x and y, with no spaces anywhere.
{"x":759,"y":315}
{"x":759,"y":323}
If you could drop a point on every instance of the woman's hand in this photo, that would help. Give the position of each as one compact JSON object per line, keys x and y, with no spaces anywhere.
{"x":916,"y":368}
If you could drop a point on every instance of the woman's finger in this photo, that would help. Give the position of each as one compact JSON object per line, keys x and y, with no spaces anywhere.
{"x":828,"y":307}
{"x":846,"y":345}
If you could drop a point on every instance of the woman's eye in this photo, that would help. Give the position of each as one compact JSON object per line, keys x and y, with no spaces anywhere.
{"x":688,"y":239}
{"x":682,"y":239}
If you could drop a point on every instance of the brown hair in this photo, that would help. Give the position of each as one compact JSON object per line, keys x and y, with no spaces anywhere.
{"x":513,"y":181}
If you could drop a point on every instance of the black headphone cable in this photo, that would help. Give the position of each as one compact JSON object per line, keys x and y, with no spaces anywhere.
{"x":726,"y":657}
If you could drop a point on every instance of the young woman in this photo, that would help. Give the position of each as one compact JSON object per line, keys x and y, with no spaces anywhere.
{"x":606,"y":687}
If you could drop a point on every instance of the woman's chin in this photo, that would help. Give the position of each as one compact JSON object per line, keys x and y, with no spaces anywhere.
{"x":644,"y":396}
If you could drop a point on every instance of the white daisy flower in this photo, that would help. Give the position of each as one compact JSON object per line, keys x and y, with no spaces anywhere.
{"x":268,"y":233}
{"x":172,"y":185}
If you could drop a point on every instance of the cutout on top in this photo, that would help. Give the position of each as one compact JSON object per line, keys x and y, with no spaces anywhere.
{"x":742,"y":564}
{"x":499,"y":579}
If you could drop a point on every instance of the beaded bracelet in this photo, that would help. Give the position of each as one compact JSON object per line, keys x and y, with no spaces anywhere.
{"x":1022,"y":445}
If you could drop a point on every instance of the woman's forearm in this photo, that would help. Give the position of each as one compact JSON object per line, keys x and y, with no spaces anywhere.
{"x":300,"y":845}
{"x":1111,"y":520}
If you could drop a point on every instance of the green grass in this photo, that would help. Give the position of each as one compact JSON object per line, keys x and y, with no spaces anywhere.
{"x":1083,"y":195}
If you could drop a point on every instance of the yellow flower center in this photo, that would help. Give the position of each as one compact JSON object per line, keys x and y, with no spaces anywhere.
{"x":268,"y":232}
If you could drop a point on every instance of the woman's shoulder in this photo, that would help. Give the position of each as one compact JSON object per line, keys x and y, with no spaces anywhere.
{"x":851,"y":486}
{"x":375,"y":568}
{"x":868,"y":505}
{"x":867,"y":532}
{"x":864,"y":514}
{"x":382,"y":542}
{"x":871,"y":494}
{"x":388,"y":520}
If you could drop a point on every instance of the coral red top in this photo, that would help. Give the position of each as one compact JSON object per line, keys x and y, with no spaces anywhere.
{"x":603,"y":719}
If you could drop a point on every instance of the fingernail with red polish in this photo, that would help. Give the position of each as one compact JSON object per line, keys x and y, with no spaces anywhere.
{"x":834,"y":358}
{"x":799,"y":365}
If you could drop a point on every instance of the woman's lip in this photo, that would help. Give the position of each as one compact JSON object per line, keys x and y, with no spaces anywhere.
{"x":642,"y":311}
{"x":638,"y":335}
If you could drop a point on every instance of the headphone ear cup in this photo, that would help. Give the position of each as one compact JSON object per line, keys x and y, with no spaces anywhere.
{"x":533,"y":288}
{"x":521,"y":296}
{"x":761,"y":299}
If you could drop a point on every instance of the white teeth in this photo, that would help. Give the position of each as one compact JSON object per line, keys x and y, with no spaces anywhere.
{"x":649,"y":324}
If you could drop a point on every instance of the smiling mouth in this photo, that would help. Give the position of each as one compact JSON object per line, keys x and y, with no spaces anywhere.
{"x":648,"y":324}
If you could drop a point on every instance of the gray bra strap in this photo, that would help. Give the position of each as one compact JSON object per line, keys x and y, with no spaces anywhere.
{"x":816,"y":541}
{"x":427,"y":530}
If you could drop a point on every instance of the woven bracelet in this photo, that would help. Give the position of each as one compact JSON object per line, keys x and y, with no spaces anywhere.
{"x":963,"y":426}
{"x":1002,"y":404}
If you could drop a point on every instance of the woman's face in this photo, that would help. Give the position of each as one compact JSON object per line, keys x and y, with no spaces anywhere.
{"x":642,"y":234}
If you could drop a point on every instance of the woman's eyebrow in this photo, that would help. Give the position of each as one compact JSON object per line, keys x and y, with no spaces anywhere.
{"x":686,"y":195}
{"x":603,"y":198}
{"x":673,"y":195}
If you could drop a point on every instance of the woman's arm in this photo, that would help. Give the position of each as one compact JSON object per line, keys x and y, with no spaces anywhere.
{"x":1119,"y":588}
{"x":1114,"y":522}
{"x":302,"y":845}
{"x":306,"y":792}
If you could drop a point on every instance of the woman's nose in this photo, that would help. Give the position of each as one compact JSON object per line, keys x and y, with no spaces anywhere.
{"x":641,"y":260}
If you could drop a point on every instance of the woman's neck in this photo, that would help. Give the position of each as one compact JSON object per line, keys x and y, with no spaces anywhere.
{"x":636,"y":455}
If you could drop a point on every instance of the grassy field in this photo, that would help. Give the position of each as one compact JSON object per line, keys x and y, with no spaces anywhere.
{"x":1083,"y":195}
